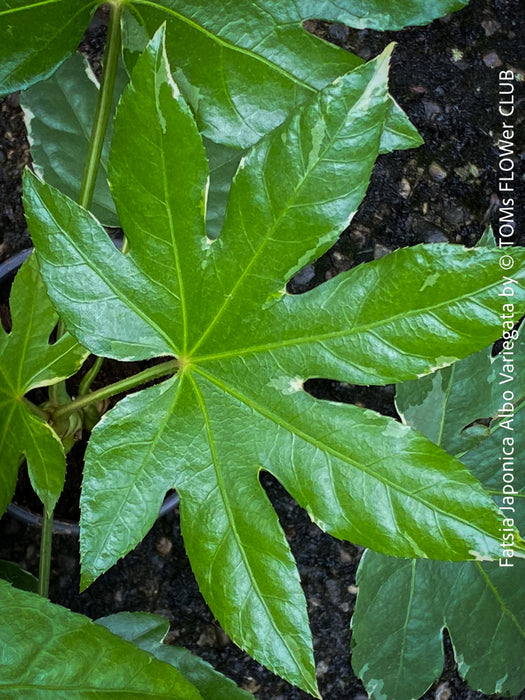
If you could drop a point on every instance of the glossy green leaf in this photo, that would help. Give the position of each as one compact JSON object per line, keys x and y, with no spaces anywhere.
{"x":28,"y":360}
{"x":59,"y":115}
{"x":245,"y":348}
{"x":147,"y":632}
{"x":402,"y":606}
{"x":378,"y":14}
{"x":37,"y":36}
{"x":47,"y":651}
{"x":242,"y":84}
{"x":18,"y":577}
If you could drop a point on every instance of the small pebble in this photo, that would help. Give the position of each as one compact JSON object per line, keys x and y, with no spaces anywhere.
{"x":432,"y":109}
{"x":456,"y":215}
{"x":491,"y":26}
{"x":338,"y":32}
{"x":443,"y":692}
{"x":251,"y":685}
{"x":207,"y":638}
{"x":305,"y":275}
{"x":404,"y":188}
{"x":164,"y":546}
{"x":322,"y":667}
{"x":437,"y":172}
{"x":380,"y":251}
{"x":436,"y":237}
{"x":492,"y":60}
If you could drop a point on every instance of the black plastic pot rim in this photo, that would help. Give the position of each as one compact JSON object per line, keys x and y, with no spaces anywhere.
{"x":60,"y":527}
{"x":64,"y":527}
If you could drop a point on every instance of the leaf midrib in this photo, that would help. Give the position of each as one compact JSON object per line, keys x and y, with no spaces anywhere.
{"x":231,"y":520}
{"x":353,"y":330}
{"x":505,"y":610}
{"x":284,"y":212}
{"x":266,"y":413}
{"x":175,"y":248}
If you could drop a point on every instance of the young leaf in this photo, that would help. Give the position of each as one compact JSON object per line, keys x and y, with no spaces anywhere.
{"x":50,"y":652}
{"x":379,"y":14}
{"x":59,"y":118}
{"x":27,"y":361}
{"x":242,"y":84}
{"x":245,"y":348}
{"x":37,"y":36}
{"x":147,"y":632}
{"x":402,"y":606}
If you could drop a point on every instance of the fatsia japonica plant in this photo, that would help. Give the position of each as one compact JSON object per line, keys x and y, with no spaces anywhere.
{"x":290,"y":142}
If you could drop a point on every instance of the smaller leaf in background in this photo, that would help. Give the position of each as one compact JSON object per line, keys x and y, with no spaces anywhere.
{"x":47,"y":651}
{"x":59,"y":115}
{"x":27,"y":361}
{"x":402,"y":606}
{"x":243,"y":66}
{"x":224,"y":161}
{"x":445,"y":405}
{"x":147,"y":632}
{"x":241,"y":85}
{"x":382,"y":15}
{"x":18,"y":577}
{"x":37,"y":36}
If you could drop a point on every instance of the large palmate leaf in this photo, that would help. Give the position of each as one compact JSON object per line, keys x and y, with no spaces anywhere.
{"x":37,"y":35}
{"x":245,"y":347}
{"x":59,"y":116}
{"x":402,"y":606}
{"x":28,"y":360}
{"x":147,"y":632}
{"x":47,"y":651}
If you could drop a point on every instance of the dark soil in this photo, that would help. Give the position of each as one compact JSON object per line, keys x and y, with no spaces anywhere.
{"x":445,"y":76}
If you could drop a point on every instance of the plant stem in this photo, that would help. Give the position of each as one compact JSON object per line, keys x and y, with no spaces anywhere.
{"x":45,"y":553}
{"x":57,"y":393}
{"x":35,"y":409}
{"x":117,"y":388}
{"x":103,"y":110}
{"x":89,"y":377}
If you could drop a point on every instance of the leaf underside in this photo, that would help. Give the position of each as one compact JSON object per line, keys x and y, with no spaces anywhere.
{"x":245,"y":349}
{"x":59,"y":116}
{"x":402,"y":606}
